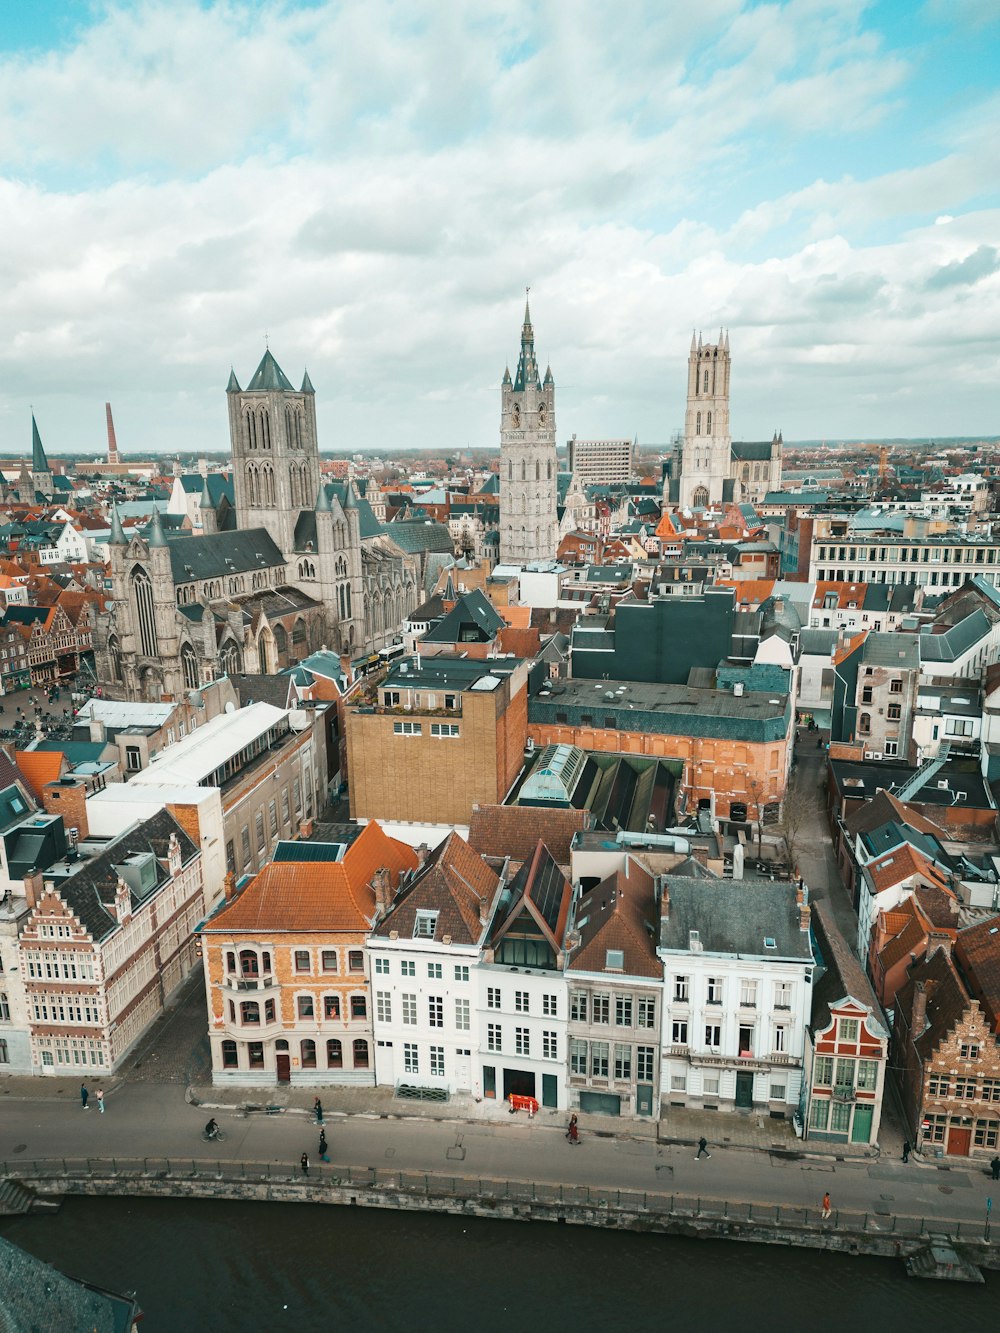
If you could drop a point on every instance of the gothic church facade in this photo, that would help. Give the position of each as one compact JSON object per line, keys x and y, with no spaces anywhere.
{"x":308,"y":566}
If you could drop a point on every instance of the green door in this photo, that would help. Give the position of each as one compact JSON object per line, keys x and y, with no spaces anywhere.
{"x":550,"y":1090}
{"x":861,"y":1127}
{"x":489,"y":1081}
{"x":744,"y":1090}
{"x":644,"y":1098}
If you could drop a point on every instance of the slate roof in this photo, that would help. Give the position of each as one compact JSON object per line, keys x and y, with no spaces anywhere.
{"x":309,"y":896}
{"x":817,"y":642}
{"x":843,"y":977}
{"x":473,"y":613}
{"x":947,"y":1001}
{"x":892,"y":650}
{"x":456,"y":883}
{"x":36,"y":1296}
{"x":220,"y":486}
{"x":977,"y":951}
{"x":414,"y":537}
{"x":733,"y":917}
{"x":253,"y":689}
{"x":950,"y":645}
{"x":222,"y":553}
{"x":541,"y":888}
{"x":884,"y":808}
{"x":620,"y":914}
{"x":516,"y":830}
{"x":750,"y":451}
{"x":13,"y":803}
{"x":90,"y":892}
{"x":269,"y":376}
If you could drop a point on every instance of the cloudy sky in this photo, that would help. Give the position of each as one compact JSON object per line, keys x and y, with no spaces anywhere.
{"x":374,"y":185}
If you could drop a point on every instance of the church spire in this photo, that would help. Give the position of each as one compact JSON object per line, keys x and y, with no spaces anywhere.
{"x":527,"y":367}
{"x":39,"y":463}
{"x":112,"y":442}
{"x":117,"y":537}
{"x":155,"y":536}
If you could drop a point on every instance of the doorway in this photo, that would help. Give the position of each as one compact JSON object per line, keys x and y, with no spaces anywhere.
{"x":489,"y":1081}
{"x":959,"y":1141}
{"x":644,"y":1098}
{"x":550,"y":1090}
{"x":861,"y":1129}
{"x":520,"y":1082}
{"x":744,"y":1090}
{"x":284,"y":1066}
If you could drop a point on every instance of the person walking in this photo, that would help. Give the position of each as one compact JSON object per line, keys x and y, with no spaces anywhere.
{"x":573,"y":1130}
{"x":322,"y":1146}
{"x":995,"y":1168}
{"x":702,"y":1148}
{"x":318,"y":1110}
{"x":906,"y":1150}
{"x":84,"y":1096}
{"x":304,"y":1163}
{"x":826,"y":1205}
{"x":99,"y":1094}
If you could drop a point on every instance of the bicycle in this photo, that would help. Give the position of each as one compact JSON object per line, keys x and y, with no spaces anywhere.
{"x":217,"y":1137}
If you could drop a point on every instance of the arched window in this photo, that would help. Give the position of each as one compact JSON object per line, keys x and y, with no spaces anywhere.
{"x":548,"y":466}
{"x":249,"y":963}
{"x":189,"y":666}
{"x":230,"y":1058}
{"x":142,"y":599}
{"x":334,"y":1054}
{"x":115,"y":654}
{"x":267,"y":486}
{"x":299,"y":637}
{"x":308,"y":1050}
{"x":524,"y":470}
{"x":251,"y":429}
{"x":510,"y":469}
{"x":700,"y":497}
{"x":708,"y":423}
{"x":265,"y":429}
{"x":360,"y":1053}
{"x":704,"y":382}
{"x":231,"y":660}
{"x":865,"y":724}
{"x":250,"y":1013}
{"x":538,"y":469}
{"x":280,"y":639}
{"x":697,"y":423}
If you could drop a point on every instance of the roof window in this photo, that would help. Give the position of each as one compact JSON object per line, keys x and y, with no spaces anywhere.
{"x":425,"y":925}
{"x":615,"y":960}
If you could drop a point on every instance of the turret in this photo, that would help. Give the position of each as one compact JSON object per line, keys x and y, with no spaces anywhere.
{"x":209,"y":518}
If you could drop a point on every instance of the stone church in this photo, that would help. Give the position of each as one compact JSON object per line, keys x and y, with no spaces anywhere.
{"x":529,"y":525}
{"x":710,"y":468}
{"x":309,"y":565}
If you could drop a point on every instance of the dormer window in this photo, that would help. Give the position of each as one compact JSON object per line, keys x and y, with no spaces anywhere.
{"x":615,"y":960}
{"x":425,"y":925}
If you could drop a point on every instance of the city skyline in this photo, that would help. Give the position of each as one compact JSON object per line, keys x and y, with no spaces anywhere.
{"x":374,"y":190}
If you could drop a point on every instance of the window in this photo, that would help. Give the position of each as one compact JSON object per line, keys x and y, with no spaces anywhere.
{"x":302,"y":960}
{"x":894,"y":712}
{"x":965,"y":1088}
{"x":746,"y":1035}
{"x":550,"y":1005}
{"x":461,"y":972}
{"x":623,"y":1061}
{"x":577,"y":1056}
{"x":550,"y":1046}
{"x":935,"y":1127}
{"x":748,"y":994}
{"x":713,"y":1035}
{"x":522,"y":1041}
{"x":991,"y":1090}
{"x":865,"y":724}
{"x":970,"y":1051}
{"x":425,"y":925}
{"x":437,"y":1061}
{"x":939,"y":1085}
{"x":230,"y":1057}
{"x":601,"y":1011}
{"x":408,"y":967}
{"x":681,"y":989}
{"x":411,"y":1061}
{"x":133,"y":758}
{"x":409,"y":1009}
{"x":644,"y":1063}
{"x":840,"y":1117}
{"x":356,"y":960}
{"x":599,"y":1054}
{"x":4,"y":1007}
{"x":272,"y":814}
{"x":623,"y":1011}
{"x":334,"y":1053}
{"x":866,"y":694}
{"x":578,"y":1006}
{"x":782,"y":995}
{"x":819,"y":1113}
{"x":494,"y":1037}
{"x":445,"y":729}
{"x":307,"y":1053}
{"x":407,"y":728}
{"x":986,"y":1135}
{"x":305,"y":1007}
{"x":359,"y":1006}
{"x":383,"y":1006}
{"x":435,"y":1011}
{"x":330,"y":960}
{"x":778,"y":1091}
{"x":679,"y":1032}
{"x":382,"y":967}
{"x":493,"y":997}
{"x":462,"y":1020}
{"x":780,"y":1038}
{"x":847,"y":1030}
{"x":434,"y":971}
{"x":714,"y":995}
{"x":867,"y":1075}
{"x":250,"y":1012}
{"x":890,"y":748}
{"x":331,"y":1007}
{"x":895,"y":687}
{"x":647,"y":1013}
{"x":360,"y":1053}
{"x":678,"y":1082}
{"x":521,"y":1001}
{"x":710,"y":1086}
{"x":259,"y":830}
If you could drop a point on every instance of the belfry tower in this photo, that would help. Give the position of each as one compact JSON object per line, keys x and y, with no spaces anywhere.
{"x":529,"y":528}
{"x":707,"y":450}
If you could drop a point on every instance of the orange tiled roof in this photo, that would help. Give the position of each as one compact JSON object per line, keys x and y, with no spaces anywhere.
{"x":849,"y":647}
{"x":749,"y":592}
{"x":39,"y":767}
{"x":317,"y":896}
{"x":845,"y":593}
{"x":521,"y":642}
{"x":519,"y":617}
{"x":901,"y":864}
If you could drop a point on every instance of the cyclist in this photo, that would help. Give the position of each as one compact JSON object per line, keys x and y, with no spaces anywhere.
{"x":211,"y":1129}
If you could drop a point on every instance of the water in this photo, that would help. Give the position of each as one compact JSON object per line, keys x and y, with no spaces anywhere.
{"x":228,"y":1267}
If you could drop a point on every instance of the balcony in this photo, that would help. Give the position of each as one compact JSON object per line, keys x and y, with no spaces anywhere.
{"x":844,"y":1092}
{"x":264,"y":981}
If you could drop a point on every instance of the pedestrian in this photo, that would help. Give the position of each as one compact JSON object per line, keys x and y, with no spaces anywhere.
{"x":826,"y":1205}
{"x":322,"y":1146}
{"x":702,"y":1148}
{"x":99,"y":1094}
{"x":995,"y":1168}
{"x":84,"y":1096}
{"x":318,"y":1109}
{"x":572,"y":1130}
{"x":906,"y":1151}
{"x":304,"y":1163}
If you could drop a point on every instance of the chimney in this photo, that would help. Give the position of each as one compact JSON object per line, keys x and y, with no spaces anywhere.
{"x":305,"y":828}
{"x":122,"y":909}
{"x":381,"y":882}
{"x":484,"y":911}
{"x":229,"y":886}
{"x":33,"y":888}
{"x":98,"y":734}
{"x":918,"y":1011}
{"x":937,"y":941}
{"x":665,"y":903}
{"x":805,"y":913}
{"x":68,"y":797}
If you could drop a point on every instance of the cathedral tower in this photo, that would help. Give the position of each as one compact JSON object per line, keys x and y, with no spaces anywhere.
{"x":707,"y":449}
{"x":528,"y":525}
{"x":275,"y":452}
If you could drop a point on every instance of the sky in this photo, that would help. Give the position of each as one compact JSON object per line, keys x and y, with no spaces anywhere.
{"x":369,"y":187}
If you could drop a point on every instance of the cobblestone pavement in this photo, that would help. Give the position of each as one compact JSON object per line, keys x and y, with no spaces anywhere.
{"x":176,"y":1048}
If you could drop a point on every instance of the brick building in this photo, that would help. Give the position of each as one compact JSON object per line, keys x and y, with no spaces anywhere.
{"x":286,"y":963}
{"x":436,"y":736}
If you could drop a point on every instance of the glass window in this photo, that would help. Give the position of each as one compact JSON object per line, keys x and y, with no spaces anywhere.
{"x":302,"y":960}
{"x":305,"y":1006}
{"x":382,"y":966}
{"x":550,"y":1046}
{"x":409,"y":1009}
{"x":356,"y":960}
{"x":679,"y":1032}
{"x":644,"y":1064}
{"x":494,"y":1037}
{"x":867,"y":1075}
{"x":334,"y":1054}
{"x":360,"y":1053}
{"x":823,"y":1071}
{"x":462,"y":1015}
{"x":383,"y":1006}
{"x":522,"y":1041}
{"x":330,"y":960}
{"x":819,"y":1113}
{"x":230,"y":1058}
{"x":434,"y":971}
{"x":359,"y":1006}
{"x":437,"y":1061}
{"x":411,"y":1058}
{"x":461,"y":972}
{"x":550,"y":1004}
{"x":435,"y":1011}
{"x":623,"y":1061}
{"x":408,"y":967}
{"x":578,"y":1006}
{"x":578,"y":1056}
{"x":308,"y":1053}
{"x":331,"y":1006}
{"x":521,"y":1001}
{"x":493,"y":997}
{"x":599,"y":1055}
{"x":647,"y":1013}
{"x":680,"y":988}
{"x":601,"y":1008}
{"x":623,"y":1011}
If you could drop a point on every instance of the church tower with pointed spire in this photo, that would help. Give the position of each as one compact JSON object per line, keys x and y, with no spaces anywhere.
{"x":707,"y":449}
{"x":529,"y":528}
{"x":272,"y":429}
{"x":41,"y":473}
